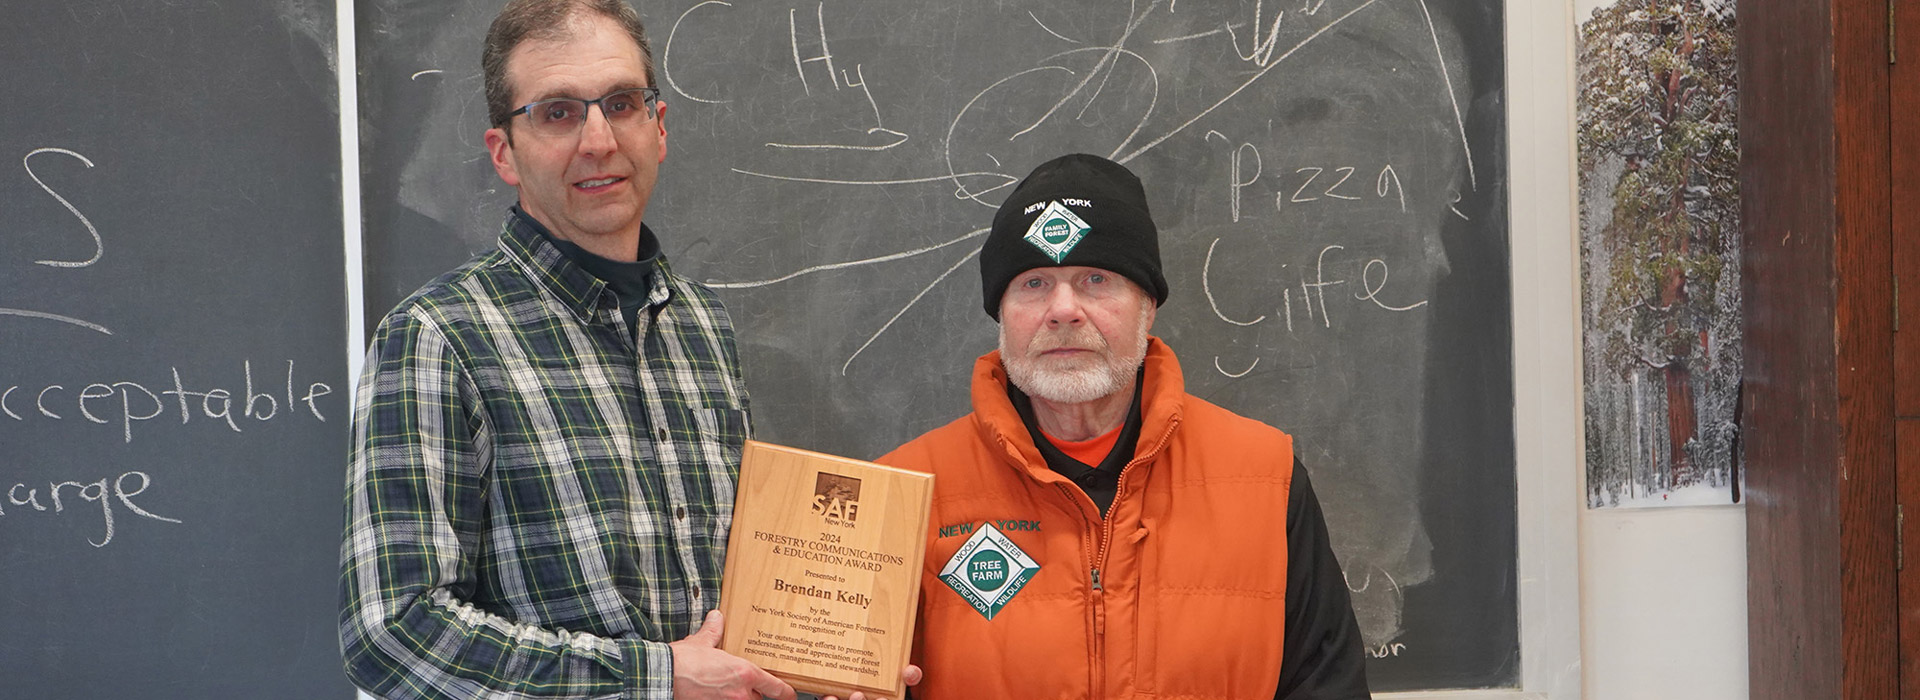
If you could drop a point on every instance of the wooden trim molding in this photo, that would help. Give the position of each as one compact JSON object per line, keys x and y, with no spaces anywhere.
{"x":1904,"y":115}
{"x":1817,"y":402}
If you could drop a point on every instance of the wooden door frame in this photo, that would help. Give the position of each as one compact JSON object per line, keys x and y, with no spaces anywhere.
{"x":1904,"y":85}
{"x":1817,"y":400}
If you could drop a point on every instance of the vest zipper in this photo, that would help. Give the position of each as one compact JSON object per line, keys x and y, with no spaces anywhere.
{"x":1099,"y":664}
{"x":1097,"y":591}
{"x":1097,"y":689}
{"x":1096,"y":642}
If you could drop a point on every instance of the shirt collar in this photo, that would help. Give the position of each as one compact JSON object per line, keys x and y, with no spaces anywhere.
{"x":529,"y":242}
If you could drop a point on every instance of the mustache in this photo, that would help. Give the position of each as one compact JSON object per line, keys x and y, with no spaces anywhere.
{"x":1084,"y":337}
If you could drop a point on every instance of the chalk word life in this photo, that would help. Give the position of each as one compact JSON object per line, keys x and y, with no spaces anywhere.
{"x":24,"y":498}
{"x":123,"y":403}
{"x":1312,"y":309}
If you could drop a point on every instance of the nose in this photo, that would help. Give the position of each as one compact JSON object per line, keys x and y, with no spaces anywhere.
{"x":596,"y":135}
{"x":1063,"y":307}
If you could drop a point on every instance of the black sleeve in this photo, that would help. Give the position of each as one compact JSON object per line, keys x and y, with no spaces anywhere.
{"x":1323,"y":658}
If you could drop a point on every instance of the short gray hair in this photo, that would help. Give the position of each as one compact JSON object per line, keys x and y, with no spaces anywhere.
{"x":546,"y":20}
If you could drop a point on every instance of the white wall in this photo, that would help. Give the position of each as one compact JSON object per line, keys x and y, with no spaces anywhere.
{"x":1664,"y":603}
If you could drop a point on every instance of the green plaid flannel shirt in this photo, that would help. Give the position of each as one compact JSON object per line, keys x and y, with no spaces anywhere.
{"x":535,"y":505}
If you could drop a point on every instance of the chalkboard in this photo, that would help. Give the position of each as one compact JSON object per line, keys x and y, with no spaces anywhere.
{"x":1329,"y":177}
{"x":172,"y":350}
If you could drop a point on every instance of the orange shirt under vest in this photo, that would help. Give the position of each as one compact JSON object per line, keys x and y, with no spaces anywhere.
{"x":1179,"y":593}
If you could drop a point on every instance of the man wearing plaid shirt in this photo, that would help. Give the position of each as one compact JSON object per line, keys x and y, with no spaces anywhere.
{"x":546,"y":438}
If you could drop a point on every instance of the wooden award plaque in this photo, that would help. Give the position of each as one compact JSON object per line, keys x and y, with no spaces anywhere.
{"x":823,"y":569}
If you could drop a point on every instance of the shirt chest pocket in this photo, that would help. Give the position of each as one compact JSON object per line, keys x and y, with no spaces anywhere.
{"x":724,"y":430}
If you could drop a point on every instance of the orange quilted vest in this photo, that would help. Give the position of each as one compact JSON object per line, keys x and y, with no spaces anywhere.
{"x":1178,"y":593}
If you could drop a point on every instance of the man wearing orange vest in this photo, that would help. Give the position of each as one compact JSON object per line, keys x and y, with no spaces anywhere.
{"x":1097,"y":531}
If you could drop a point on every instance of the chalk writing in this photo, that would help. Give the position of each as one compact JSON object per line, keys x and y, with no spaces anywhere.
{"x":1271,"y":63}
{"x":1234,"y":375}
{"x":124,"y":403}
{"x":1367,"y":583}
{"x":1302,"y":303}
{"x":1234,"y":182}
{"x":1316,"y":183}
{"x":837,"y":80}
{"x":666,"y":53}
{"x":1382,"y":651}
{"x":1206,"y":288}
{"x":1320,"y":183}
{"x":1049,"y":30}
{"x":99,"y":246}
{"x":27,"y":498}
{"x":1453,"y":99}
{"x":1343,"y":172}
{"x":826,"y":55}
{"x":1312,"y":289}
{"x":1262,"y":52}
{"x":1389,"y":181}
{"x":23,"y":313}
{"x":1372,"y":292}
{"x":1199,"y":35}
{"x":869,"y":261}
{"x":807,"y":53}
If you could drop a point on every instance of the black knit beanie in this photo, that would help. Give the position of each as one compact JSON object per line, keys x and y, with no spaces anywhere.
{"x":1075,"y":210}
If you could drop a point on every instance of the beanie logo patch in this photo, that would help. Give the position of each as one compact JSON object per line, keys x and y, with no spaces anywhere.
{"x":1056,"y":231}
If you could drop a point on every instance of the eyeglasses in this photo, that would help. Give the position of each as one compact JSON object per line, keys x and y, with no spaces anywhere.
{"x":564,"y":116}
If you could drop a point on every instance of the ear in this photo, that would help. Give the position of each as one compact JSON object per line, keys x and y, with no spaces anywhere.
{"x":660,"y":122}
{"x":500,"y":149}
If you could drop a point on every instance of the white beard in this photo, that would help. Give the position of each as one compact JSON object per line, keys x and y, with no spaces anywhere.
{"x":1081,"y":384}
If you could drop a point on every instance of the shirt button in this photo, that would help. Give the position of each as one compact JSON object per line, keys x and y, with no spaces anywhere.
{"x":662,"y":434}
{"x":696,"y":590}
{"x":680,"y":513}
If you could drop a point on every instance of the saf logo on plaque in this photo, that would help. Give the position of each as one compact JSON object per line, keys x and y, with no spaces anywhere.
{"x":836,"y":498}
{"x":988,"y":570}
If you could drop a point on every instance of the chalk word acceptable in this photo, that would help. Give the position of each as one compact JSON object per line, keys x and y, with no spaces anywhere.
{"x":24,"y":498}
{"x":124,"y":403}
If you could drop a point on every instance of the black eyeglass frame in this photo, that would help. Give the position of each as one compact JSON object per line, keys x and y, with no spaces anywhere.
{"x":649,"y":101}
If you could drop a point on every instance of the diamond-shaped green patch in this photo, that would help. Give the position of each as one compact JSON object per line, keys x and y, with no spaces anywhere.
{"x":1056,"y":231}
{"x":988,"y":570}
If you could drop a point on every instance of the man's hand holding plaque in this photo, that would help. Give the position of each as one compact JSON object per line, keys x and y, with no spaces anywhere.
{"x":823,"y":570}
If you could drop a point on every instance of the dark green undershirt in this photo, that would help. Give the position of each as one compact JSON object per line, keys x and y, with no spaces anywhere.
{"x":631,"y":282}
